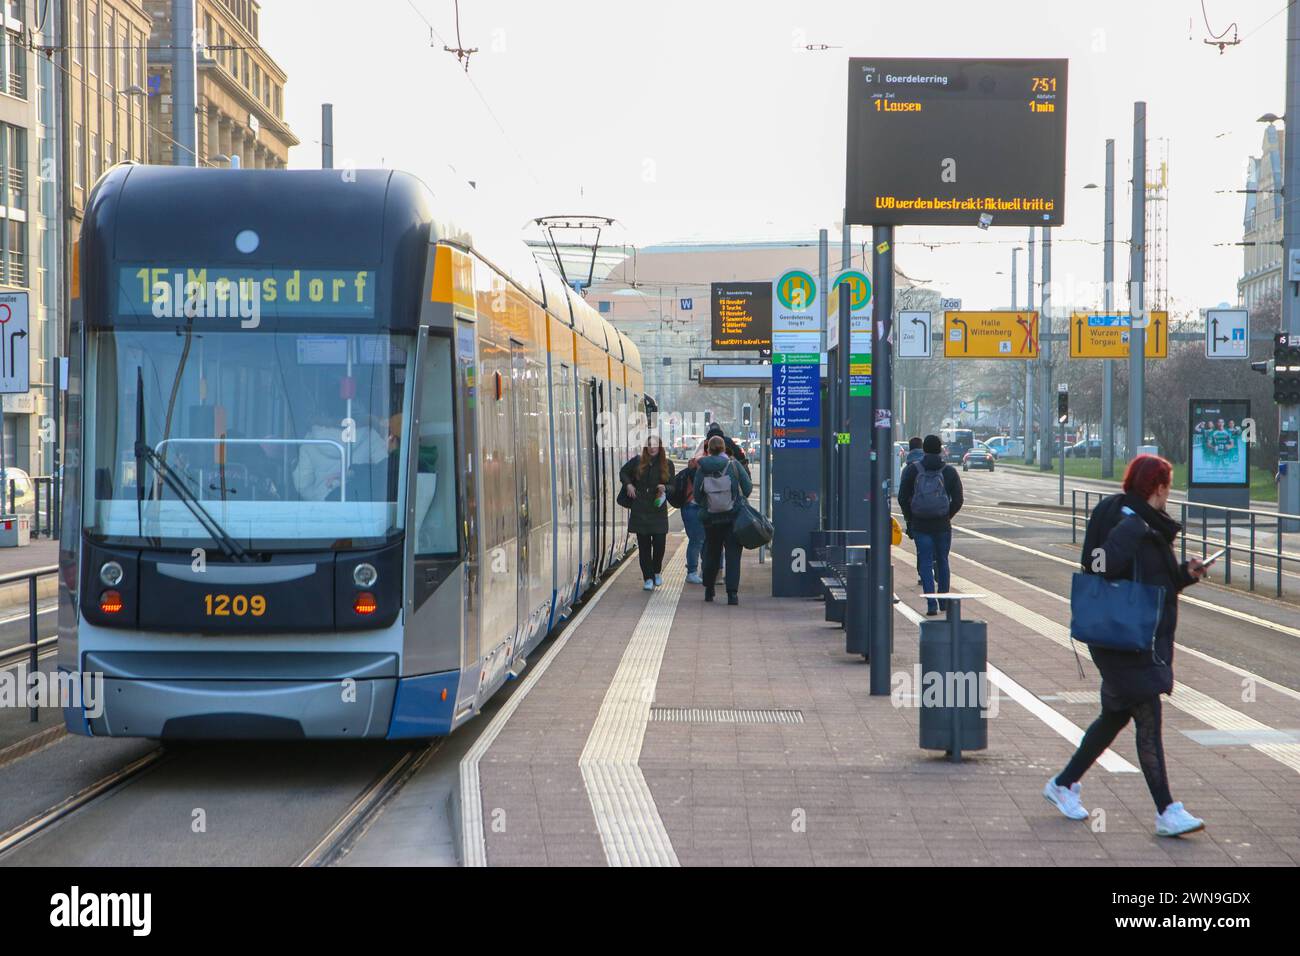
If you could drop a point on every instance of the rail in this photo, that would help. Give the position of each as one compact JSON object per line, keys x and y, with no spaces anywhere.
{"x":32,"y":648}
{"x":1214,"y":519}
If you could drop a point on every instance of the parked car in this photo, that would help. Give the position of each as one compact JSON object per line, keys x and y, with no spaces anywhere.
{"x":1004,"y":446}
{"x":1088,"y":448}
{"x":978,"y":457}
{"x":24,"y":492}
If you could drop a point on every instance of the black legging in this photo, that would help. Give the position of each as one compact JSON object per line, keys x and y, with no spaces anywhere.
{"x":1150,"y":747}
{"x":650,"y":551}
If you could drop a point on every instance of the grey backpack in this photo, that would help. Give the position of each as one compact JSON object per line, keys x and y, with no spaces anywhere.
{"x":930,"y":498}
{"x":719,"y":496}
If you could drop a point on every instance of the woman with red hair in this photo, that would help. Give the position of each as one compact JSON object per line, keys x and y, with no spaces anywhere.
{"x":1127,"y":532}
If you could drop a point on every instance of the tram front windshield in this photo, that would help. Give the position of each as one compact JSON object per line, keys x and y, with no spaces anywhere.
{"x":278,"y":440}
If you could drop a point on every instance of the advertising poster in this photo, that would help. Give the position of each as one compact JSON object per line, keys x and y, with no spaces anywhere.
{"x":1219,"y":457}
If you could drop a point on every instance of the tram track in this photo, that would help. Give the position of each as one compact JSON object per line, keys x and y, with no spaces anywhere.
{"x":351,"y":827}
{"x":26,"y":831}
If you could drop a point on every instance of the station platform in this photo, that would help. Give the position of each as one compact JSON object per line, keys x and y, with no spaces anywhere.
{"x":662,"y":730}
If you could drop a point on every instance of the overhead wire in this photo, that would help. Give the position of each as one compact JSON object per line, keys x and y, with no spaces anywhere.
{"x":479,"y":93}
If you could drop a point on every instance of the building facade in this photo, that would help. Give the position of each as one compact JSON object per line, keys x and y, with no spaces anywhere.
{"x":1262,"y":224}
{"x":29,"y":220}
{"x":239,"y":87}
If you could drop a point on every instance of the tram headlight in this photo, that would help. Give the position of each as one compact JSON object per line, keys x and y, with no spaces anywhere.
{"x":111,"y":574}
{"x":364,"y":575}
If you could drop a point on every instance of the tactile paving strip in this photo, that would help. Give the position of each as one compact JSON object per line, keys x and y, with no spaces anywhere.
{"x":707,"y":715}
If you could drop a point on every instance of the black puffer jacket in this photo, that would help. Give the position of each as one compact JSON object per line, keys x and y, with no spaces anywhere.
{"x":907,"y":487}
{"x":643,"y":517}
{"x":1123,"y":529}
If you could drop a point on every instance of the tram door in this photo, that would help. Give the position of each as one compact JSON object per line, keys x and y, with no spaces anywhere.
{"x":523,"y":435}
{"x":594,"y":469}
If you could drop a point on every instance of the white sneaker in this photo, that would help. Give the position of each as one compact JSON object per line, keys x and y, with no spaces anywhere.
{"x":694,"y":578}
{"x":1065,"y":799}
{"x":649,"y":584}
{"x":1176,"y":821}
{"x":659,"y":580}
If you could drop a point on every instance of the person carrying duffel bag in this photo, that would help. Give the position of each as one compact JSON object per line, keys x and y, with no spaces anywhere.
{"x":1124,"y":607}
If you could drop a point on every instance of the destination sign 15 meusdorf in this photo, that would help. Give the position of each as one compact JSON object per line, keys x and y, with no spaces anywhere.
{"x":948,"y":142}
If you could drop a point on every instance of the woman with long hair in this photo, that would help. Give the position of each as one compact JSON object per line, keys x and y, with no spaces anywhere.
{"x":645,"y":479}
{"x":1127,"y":533}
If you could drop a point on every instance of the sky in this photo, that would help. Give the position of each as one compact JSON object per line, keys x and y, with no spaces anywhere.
{"x":709,"y":120}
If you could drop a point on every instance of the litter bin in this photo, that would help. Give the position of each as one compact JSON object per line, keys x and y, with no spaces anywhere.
{"x":857,"y":599}
{"x":951,"y":713}
{"x":15,"y":531}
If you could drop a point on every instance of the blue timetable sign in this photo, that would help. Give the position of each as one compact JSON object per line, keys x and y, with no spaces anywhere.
{"x":796,"y":401}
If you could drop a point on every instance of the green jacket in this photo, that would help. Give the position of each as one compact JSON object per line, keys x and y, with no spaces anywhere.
{"x":741,"y":486}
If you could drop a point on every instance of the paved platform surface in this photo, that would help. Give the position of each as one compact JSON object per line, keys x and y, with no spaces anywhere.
{"x":627,"y":744}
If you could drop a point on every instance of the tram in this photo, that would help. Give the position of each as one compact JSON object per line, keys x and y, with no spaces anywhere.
{"x":335,"y":463}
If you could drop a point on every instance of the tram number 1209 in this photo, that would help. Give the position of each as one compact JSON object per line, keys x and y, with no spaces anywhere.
{"x":233,"y":605}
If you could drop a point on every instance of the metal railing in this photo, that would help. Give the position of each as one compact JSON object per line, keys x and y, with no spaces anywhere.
{"x":32,"y":648}
{"x":1218,"y":520}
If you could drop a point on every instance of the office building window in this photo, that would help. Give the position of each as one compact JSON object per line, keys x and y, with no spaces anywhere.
{"x":92,"y":37}
{"x":13,"y":147}
{"x":13,"y":238}
{"x":78,"y":157}
{"x":76,"y":30}
{"x":11,"y":444}
{"x":110,"y":62}
{"x":13,"y":65}
{"x":123,"y":61}
{"x":94,"y":158}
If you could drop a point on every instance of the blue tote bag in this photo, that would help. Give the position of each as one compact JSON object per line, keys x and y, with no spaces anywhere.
{"x":1117,"y":614}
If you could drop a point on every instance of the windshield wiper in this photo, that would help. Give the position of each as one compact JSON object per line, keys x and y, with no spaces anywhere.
{"x":144,"y":454}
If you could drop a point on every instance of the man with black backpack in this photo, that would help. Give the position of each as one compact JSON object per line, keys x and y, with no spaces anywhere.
{"x":930,"y":495}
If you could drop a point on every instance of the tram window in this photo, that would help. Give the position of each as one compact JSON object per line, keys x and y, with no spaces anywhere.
{"x":435,"y":479}
{"x":288,"y":439}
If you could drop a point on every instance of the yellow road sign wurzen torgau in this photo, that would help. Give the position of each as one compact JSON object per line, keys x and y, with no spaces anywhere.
{"x":1106,"y":335}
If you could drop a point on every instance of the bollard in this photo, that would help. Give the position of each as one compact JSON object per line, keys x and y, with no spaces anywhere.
{"x":857,"y":603}
{"x":953,"y":652}
{"x":882,"y":650}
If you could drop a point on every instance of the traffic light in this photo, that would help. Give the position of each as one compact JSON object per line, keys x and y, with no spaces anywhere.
{"x":708,"y":417}
{"x":1062,"y":405}
{"x":746,"y":414}
{"x":1286,"y":369}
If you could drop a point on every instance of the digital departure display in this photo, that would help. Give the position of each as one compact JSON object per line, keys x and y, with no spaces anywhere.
{"x":741,"y":314}
{"x":956,"y":142}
